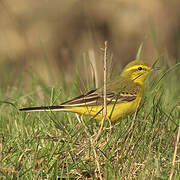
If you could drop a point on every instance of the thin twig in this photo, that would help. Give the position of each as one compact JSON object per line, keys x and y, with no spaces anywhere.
{"x":104,"y":93}
{"x":174,"y":156}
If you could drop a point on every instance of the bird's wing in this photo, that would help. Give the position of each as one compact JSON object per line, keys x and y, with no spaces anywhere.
{"x":95,"y":97}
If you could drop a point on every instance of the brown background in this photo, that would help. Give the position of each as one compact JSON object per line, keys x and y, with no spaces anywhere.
{"x":50,"y":37}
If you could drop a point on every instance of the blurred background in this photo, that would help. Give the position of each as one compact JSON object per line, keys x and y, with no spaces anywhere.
{"x":52,"y":38}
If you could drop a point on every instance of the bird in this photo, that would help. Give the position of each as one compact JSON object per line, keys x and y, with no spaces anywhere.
{"x":124,"y":95}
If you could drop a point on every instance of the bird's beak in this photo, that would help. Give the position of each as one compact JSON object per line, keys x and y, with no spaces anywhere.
{"x":155,"y":68}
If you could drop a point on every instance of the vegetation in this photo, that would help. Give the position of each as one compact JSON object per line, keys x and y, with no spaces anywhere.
{"x":49,"y":145}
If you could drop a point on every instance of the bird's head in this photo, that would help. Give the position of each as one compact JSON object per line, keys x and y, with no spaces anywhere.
{"x":137,"y":71}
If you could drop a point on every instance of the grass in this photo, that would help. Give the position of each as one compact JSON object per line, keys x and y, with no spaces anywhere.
{"x":46,"y":145}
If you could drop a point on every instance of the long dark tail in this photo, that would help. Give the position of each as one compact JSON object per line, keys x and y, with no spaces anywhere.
{"x":44,"y":108}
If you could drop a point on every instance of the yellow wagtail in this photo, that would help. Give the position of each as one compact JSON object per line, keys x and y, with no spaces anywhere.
{"x":124,"y":95}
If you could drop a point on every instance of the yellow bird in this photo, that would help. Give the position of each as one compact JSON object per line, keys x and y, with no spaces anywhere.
{"x":124,"y":96}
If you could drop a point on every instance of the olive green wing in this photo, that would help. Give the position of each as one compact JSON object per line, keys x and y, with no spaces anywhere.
{"x":118,"y":91}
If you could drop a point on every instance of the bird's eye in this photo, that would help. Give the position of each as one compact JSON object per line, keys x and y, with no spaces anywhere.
{"x":140,"y":68}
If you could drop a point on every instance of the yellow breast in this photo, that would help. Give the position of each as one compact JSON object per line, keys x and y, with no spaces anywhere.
{"x":114,"y":112}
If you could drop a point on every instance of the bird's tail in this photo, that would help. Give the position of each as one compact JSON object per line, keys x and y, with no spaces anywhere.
{"x":44,"y":108}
